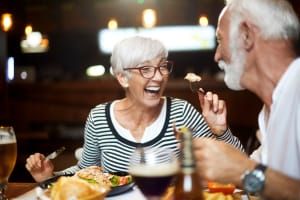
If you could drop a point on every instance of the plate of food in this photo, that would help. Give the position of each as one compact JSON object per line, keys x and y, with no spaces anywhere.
{"x":112,"y":183}
{"x":120,"y":182}
{"x":214,"y":187}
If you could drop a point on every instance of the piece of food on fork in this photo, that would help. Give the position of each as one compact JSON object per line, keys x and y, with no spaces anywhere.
{"x":194,"y":81}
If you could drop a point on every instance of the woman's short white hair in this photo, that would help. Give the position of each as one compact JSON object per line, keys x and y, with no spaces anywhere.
{"x":135,"y":50}
{"x":275,"y":19}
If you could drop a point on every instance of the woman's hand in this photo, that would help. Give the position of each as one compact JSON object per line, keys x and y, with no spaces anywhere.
{"x":39,"y":167}
{"x":214,"y":112}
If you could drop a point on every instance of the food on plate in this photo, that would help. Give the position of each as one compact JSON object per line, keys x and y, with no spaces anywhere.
{"x":75,"y":188}
{"x":218,"y":196}
{"x":194,"y":81}
{"x":90,"y":183}
{"x":169,"y":195}
{"x":95,"y":174}
{"x":116,"y":180}
{"x":218,"y":187}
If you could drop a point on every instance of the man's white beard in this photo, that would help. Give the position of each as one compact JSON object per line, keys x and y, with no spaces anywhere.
{"x":234,"y":70}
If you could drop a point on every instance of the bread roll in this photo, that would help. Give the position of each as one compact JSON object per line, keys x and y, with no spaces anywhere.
{"x":71,"y":188}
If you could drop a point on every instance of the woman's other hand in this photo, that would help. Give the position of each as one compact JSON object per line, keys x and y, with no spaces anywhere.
{"x":39,"y":167}
{"x":214,"y":112}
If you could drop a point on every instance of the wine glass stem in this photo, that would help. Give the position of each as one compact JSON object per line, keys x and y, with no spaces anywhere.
{"x":3,"y":187}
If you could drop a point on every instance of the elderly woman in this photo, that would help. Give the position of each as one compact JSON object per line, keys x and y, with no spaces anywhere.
{"x":144,"y":117}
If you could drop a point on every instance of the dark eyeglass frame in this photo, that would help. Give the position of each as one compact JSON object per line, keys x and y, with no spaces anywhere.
{"x":143,"y":66}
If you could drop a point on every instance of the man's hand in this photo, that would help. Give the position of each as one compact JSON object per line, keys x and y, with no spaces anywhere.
{"x":220,"y":162}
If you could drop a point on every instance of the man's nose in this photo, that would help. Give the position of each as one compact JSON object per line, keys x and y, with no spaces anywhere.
{"x":217,"y":56}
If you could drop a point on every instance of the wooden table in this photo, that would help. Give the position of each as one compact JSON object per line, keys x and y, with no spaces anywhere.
{"x":16,"y":189}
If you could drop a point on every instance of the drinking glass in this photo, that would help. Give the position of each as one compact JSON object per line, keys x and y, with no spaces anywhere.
{"x":8,"y":152}
{"x":153,"y":169}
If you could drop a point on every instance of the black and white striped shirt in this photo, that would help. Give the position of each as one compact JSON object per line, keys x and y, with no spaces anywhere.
{"x":105,"y":147}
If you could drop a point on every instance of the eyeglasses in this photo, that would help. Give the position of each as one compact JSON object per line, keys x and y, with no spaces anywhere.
{"x":148,"y":71}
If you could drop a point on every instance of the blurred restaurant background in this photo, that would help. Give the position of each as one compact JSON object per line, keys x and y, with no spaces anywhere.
{"x":54,"y":65}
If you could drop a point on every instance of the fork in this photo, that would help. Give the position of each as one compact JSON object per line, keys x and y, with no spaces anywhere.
{"x":194,"y":86}
{"x":55,"y":153}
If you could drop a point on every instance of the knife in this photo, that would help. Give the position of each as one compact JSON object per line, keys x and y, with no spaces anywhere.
{"x":55,"y":153}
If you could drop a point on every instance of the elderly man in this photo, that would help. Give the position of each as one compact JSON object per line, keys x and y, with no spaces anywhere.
{"x":256,"y":49}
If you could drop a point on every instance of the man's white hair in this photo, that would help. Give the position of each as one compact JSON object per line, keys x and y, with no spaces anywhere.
{"x":275,"y":19}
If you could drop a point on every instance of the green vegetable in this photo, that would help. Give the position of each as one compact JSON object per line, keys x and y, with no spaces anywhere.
{"x":129,"y":179}
{"x":114,"y":180}
{"x":89,"y":180}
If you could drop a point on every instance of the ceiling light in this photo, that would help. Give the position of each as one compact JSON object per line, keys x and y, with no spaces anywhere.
{"x":149,"y":18}
{"x":6,"y":21}
{"x":112,"y":24}
{"x":95,"y":70}
{"x":203,"y":20}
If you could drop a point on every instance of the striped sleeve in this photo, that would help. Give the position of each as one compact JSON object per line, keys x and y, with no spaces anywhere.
{"x":193,"y":119}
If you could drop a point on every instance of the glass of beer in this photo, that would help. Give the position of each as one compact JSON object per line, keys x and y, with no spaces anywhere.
{"x":8,"y":152}
{"x":152,"y":170}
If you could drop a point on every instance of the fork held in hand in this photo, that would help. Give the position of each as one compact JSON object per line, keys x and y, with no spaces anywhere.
{"x":55,"y":153}
{"x":195,"y":87}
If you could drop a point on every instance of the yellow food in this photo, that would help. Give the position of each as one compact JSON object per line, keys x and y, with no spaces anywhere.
{"x":217,"y":196}
{"x":95,"y":174}
{"x":192,"y":77}
{"x":67,"y":188}
{"x":207,"y":195}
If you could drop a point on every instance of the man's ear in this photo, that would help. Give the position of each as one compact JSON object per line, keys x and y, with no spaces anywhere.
{"x":123,"y":80}
{"x":247,"y":35}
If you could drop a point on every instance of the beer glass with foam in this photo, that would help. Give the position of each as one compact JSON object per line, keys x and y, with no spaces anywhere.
{"x":153,"y":169}
{"x":8,"y":152}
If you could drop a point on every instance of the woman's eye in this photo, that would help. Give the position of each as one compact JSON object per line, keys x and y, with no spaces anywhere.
{"x":146,"y":69}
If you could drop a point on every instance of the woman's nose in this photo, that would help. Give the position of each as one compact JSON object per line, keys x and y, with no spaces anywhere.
{"x":157,"y":75}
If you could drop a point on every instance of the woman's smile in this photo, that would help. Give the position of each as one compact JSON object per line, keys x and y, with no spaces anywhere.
{"x":153,"y":89}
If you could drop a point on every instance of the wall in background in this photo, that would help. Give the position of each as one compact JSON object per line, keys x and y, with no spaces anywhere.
{"x":72,"y":27}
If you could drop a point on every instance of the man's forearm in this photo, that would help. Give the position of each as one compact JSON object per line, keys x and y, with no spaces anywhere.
{"x":280,"y":186}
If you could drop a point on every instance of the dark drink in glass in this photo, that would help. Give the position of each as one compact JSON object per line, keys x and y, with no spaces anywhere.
{"x":153,"y":180}
{"x":153,"y":171}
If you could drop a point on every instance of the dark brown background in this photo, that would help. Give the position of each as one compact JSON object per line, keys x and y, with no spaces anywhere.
{"x":51,"y":111}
